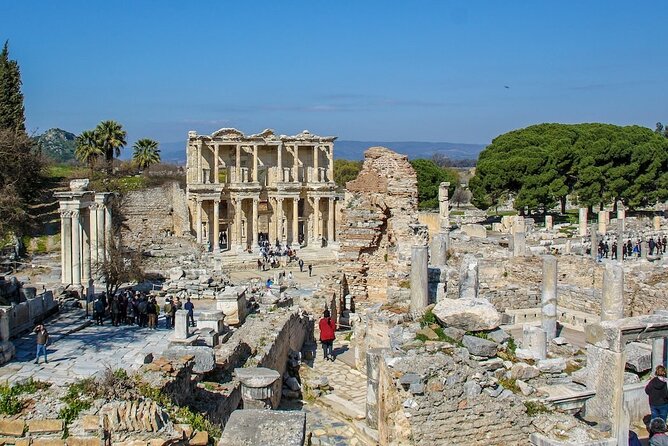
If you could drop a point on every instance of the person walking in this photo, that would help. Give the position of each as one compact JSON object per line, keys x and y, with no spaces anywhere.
{"x":657,"y":433}
{"x":190,"y":308}
{"x":657,"y":391}
{"x":168,"y":313}
{"x":301,"y":265}
{"x":327,"y":328}
{"x":152,"y":312}
{"x":310,"y":270}
{"x":98,"y":310}
{"x":42,"y":340}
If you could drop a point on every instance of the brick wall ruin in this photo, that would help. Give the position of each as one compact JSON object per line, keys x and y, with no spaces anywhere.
{"x":374,"y":230}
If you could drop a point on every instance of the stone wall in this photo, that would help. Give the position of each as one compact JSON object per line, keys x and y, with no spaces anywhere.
{"x":374,"y":230}
{"x":152,"y":213}
{"x":26,"y":315}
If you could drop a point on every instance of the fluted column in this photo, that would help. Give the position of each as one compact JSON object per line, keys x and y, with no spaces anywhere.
{"x":216,"y":167}
{"x":76,"y":249}
{"x":295,"y":166}
{"x":255,"y":164}
{"x":255,"y":218}
{"x":107,"y":229}
{"x":237,"y":166}
{"x":66,"y":245}
{"x":316,"y":219}
{"x":216,"y":224}
{"x":93,"y":231}
{"x":199,"y":163}
{"x":295,"y":222}
{"x":198,"y":221}
{"x":330,"y":165}
{"x":237,"y":221}
{"x":330,"y":221}
{"x":279,"y":161}
{"x":85,"y":246}
{"x":101,"y":234}
{"x":279,"y":220}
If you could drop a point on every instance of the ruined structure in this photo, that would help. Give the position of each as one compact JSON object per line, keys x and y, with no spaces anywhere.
{"x":376,"y":237}
{"x":85,"y":228}
{"x":243,"y":187}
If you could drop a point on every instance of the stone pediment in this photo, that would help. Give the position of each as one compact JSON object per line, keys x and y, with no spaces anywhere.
{"x":305,"y":135}
{"x":228,"y":132}
{"x":266,"y":134}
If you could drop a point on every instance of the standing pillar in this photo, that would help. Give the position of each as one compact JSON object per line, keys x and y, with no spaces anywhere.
{"x":468,"y":278}
{"x":279,"y":163}
{"x":238,"y":202}
{"x":439,"y":248}
{"x":594,"y":242}
{"x":295,"y":222}
{"x":330,"y":164}
{"x":658,"y":352}
{"x":199,"y":163}
{"x":534,"y":339}
{"x":93,"y":231}
{"x":107,"y":228}
{"x":216,"y":167}
{"x":237,"y":165}
{"x":549,"y":225}
{"x":316,"y":152}
{"x":76,"y":249}
{"x":419,"y":278}
{"x":519,"y":244}
{"x":85,"y":247}
{"x":657,"y":223}
{"x":198,"y":222}
{"x":549,"y":297}
{"x":374,"y":356}
{"x":66,"y":245}
{"x":612,"y":297}
{"x":279,"y":220}
{"x":215,"y":237}
{"x":255,"y":164}
{"x":443,"y":207}
{"x":255,"y":204}
{"x":583,"y":222}
{"x":102,"y":241}
{"x":603,"y":222}
{"x":621,"y":212}
{"x":330,"y":221}
{"x":295,"y":166}
{"x":316,"y":219}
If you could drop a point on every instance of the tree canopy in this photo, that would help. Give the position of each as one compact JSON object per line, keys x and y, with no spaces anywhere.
{"x":146,"y":153}
{"x":346,"y":170}
{"x":430,"y":176}
{"x":593,"y":163}
{"x":12,"y":112}
{"x":111,"y":137}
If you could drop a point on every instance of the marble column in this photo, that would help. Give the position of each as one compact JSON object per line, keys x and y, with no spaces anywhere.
{"x":594,"y":242}
{"x":255,"y":164}
{"x":374,"y":357}
{"x":621,"y":212}
{"x":107,"y":228}
{"x":330,"y":221}
{"x":237,"y":165}
{"x":549,"y":225}
{"x":93,"y":231}
{"x":279,"y":220}
{"x":657,"y":223}
{"x":215,"y":237}
{"x":419,"y":278}
{"x":216,"y":167}
{"x":279,"y":161}
{"x":583,"y":222}
{"x":643,"y":247}
{"x":198,"y":221}
{"x":66,"y":245}
{"x":76,"y":249}
{"x":255,"y":218}
{"x":181,"y":330}
{"x":612,"y":297}
{"x":658,"y":352}
{"x":439,"y":249}
{"x":468,"y":278}
{"x":295,"y":166}
{"x":549,"y":297}
{"x":316,"y":155}
{"x":295,"y":222}
{"x":260,"y":387}
{"x":85,"y":246}
{"x":444,"y":207}
{"x":330,"y":163}
{"x":238,"y":203}
{"x":102,"y":241}
{"x":316,"y":220}
{"x":602,"y":222}
{"x":519,"y":244}
{"x":199,"y":163}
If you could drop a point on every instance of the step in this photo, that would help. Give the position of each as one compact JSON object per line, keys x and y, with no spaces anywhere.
{"x":344,"y":407}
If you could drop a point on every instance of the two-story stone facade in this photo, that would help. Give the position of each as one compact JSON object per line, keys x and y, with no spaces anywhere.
{"x":245,"y":188}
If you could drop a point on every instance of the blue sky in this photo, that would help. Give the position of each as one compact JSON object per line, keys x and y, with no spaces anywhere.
{"x":365,"y":70}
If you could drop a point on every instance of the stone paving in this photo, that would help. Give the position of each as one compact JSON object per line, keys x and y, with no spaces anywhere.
{"x":89,"y":350}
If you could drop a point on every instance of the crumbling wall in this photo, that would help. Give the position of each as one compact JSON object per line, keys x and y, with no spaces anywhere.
{"x":152,"y":213}
{"x":374,"y":230}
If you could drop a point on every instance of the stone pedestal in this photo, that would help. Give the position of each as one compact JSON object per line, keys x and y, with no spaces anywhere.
{"x":181,"y":330}
{"x":212,"y":319}
{"x":643,"y":248}
{"x":260,"y":387}
{"x":658,"y":352}
{"x":468,"y":278}
{"x":534,"y":339}
{"x":232,"y":303}
{"x":519,"y":244}
{"x":594,"y":241}
{"x":657,"y":223}
{"x":255,"y":427}
{"x":582,"y":221}
{"x":549,"y":297}
{"x":439,"y":248}
{"x":374,"y":357}
{"x":612,"y":297}
{"x":419,"y":278}
{"x":549,"y":225}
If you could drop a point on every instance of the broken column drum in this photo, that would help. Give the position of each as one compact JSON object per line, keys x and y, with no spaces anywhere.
{"x":519,"y":237}
{"x":582,"y":220}
{"x":468,"y":279}
{"x":260,"y":387}
{"x":594,"y":242}
{"x":181,"y":330}
{"x":439,"y":249}
{"x":373,"y":358}
{"x":549,"y":297}
{"x":534,"y":339}
{"x":612,"y":297}
{"x":419,"y":278}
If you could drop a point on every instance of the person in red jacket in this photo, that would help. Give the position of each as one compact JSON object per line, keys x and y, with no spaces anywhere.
{"x":327,"y":327}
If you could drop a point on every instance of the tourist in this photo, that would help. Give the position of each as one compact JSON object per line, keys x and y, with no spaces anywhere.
{"x":301,"y":265}
{"x":310,"y":270}
{"x":142,"y":306}
{"x":175,"y":306}
{"x":168,"y":313}
{"x":327,"y":328}
{"x":130,"y":312}
{"x":190,"y":308}
{"x":42,"y":340}
{"x":657,"y":391}
{"x":657,"y":432}
{"x":664,"y":242}
{"x":115,"y":311}
{"x":98,"y":310}
{"x":152,"y":312}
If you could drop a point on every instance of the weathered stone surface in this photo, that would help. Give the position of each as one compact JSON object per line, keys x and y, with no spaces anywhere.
{"x":473,"y":230}
{"x":257,"y":377}
{"x":499,"y":336}
{"x":553,"y":365}
{"x":638,"y":357}
{"x":524,"y":371}
{"x":201,"y":438}
{"x":12,"y":427}
{"x":45,"y":426}
{"x":479,"y":347}
{"x":205,"y":359}
{"x":264,"y":428}
{"x":467,"y":314}
{"x":525,"y":388}
{"x":428,"y":333}
{"x":176,"y":273}
{"x":455,"y":333}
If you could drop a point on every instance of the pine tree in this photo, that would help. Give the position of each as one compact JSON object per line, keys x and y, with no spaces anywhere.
{"x":12,"y":112}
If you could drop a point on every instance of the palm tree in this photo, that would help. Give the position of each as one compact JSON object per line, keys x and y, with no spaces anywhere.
{"x":146,"y":152}
{"x":112,"y":139}
{"x":88,"y":149}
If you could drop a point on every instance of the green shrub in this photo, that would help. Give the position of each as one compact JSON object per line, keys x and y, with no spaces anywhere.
{"x":10,"y":401}
{"x":534,"y":408}
{"x":406,"y":284}
{"x":428,"y":318}
{"x":510,"y":384}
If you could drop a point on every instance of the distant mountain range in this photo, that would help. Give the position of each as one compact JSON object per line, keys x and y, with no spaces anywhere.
{"x":59,"y":145}
{"x":175,"y":152}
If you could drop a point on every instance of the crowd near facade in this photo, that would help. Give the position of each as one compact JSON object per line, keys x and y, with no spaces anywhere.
{"x":244,"y":191}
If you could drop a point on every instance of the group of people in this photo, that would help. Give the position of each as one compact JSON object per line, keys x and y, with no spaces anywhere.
{"x":138,"y":308}
{"x":630,"y":249}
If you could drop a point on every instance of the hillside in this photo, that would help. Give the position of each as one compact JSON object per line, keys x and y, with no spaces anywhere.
{"x":175,"y":152}
{"x":57,"y":144}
